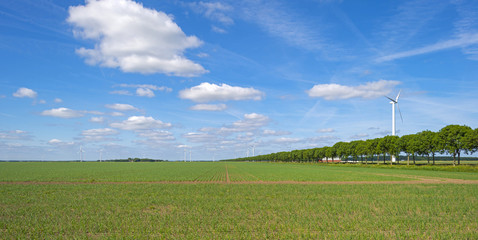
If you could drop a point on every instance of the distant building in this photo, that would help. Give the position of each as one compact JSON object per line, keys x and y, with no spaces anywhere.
{"x":330,"y":160}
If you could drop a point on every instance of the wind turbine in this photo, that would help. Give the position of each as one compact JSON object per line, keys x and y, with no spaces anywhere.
{"x":393,"y":102}
{"x":81,"y":153}
{"x":253,"y":150}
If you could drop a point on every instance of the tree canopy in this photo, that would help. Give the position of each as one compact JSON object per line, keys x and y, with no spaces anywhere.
{"x":452,"y":139}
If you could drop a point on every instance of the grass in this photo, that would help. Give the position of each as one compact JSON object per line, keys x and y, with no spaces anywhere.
{"x":205,"y":210}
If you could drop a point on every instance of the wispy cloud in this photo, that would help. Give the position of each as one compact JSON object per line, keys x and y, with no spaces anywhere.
{"x":463,"y":41}
{"x":410,"y":18}
{"x":216,"y":11}
{"x":326,"y":130}
{"x":15,"y":135}
{"x":279,"y":21}
{"x":466,"y":24}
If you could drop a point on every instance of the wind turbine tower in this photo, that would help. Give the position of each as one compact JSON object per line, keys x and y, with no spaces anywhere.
{"x":81,"y":153}
{"x":393,"y":102}
{"x":101,"y":155}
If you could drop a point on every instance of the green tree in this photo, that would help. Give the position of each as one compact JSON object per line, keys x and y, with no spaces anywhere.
{"x":341,"y":150}
{"x":361,"y":150}
{"x":429,"y":144}
{"x":330,"y":153}
{"x":389,"y":144}
{"x":471,"y":141}
{"x":454,"y":141}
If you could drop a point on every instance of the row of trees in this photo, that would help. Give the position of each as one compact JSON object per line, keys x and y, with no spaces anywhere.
{"x":452,"y":139}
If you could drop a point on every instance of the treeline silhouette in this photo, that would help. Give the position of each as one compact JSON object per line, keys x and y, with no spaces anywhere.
{"x":452,"y":140}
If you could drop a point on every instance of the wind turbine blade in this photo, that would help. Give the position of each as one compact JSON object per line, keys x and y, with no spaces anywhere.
{"x":390,"y":99}
{"x":396,"y":100}
{"x":400,"y":111}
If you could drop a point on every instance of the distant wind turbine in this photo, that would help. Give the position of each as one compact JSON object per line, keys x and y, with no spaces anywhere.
{"x":81,"y":153}
{"x":393,"y":102}
{"x":101,"y":154}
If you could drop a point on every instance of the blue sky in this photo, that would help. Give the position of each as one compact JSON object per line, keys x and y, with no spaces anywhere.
{"x":212,"y":79}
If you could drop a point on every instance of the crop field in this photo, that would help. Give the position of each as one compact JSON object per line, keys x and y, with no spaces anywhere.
{"x":234,"y":201}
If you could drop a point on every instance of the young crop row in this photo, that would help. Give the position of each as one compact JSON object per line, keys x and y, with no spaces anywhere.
{"x":219,"y":211}
{"x":210,"y":172}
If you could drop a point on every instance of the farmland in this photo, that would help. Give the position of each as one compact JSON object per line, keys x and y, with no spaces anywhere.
{"x":234,"y":200}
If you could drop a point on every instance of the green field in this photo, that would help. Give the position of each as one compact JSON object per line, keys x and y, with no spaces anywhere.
{"x":234,"y":201}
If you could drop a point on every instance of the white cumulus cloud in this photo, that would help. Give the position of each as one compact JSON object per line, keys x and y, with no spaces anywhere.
{"x":209,"y":107}
{"x":133,"y":38}
{"x":157,"y":135}
{"x":200,"y":137}
{"x":144,"y":92}
{"x":251,"y":121}
{"x":25,"y":92}
{"x":368,"y":90}
{"x":63,"y":113}
{"x":15,"y":135}
{"x":140,"y":123}
{"x":97,"y":119}
{"x":58,"y":142}
{"x":55,"y":141}
{"x":121,"y":107}
{"x":206,"y":92}
{"x":99,"y":134}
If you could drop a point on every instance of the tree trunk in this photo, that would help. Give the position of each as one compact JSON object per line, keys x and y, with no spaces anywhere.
{"x":378,"y":158}
{"x":384,"y":158}
{"x":433,"y":156}
{"x":458,"y":157}
{"x":454,"y":160}
{"x":408,"y":159}
{"x":391,"y":158}
{"x":428,"y":159}
{"x":413,"y":156}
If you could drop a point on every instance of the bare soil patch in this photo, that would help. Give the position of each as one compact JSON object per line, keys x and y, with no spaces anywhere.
{"x":227,"y":176}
